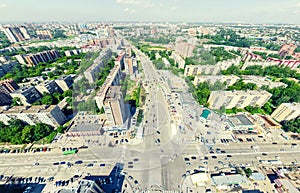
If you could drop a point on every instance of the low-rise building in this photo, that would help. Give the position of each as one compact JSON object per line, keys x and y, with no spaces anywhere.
{"x":228,"y":80}
{"x":50,"y":115}
{"x":240,"y":122}
{"x":238,"y":99}
{"x":85,"y":125}
{"x":286,"y":112}
{"x":27,"y":95}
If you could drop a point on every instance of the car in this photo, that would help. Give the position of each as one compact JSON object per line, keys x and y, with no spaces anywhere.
{"x":186,"y":159}
{"x":130,"y":177}
{"x":158,"y":140}
{"x":214,"y":157}
{"x":228,"y":155}
{"x":136,"y":159}
{"x":56,"y":163}
{"x":78,"y":162}
{"x":62,"y":163}
{"x":136,"y":182}
{"x":264,"y":154}
{"x":130,"y":166}
{"x":274,"y":143}
{"x":193,"y":157}
{"x":102,"y":165}
{"x":211,"y":152}
{"x":36,"y":163}
{"x":90,"y":165}
{"x":187,"y":163}
{"x":208,"y":191}
{"x":130,"y":163}
{"x":158,"y":132}
{"x":223,"y":151}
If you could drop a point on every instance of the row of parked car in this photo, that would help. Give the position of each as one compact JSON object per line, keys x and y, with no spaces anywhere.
{"x":33,"y":150}
{"x":21,"y":180}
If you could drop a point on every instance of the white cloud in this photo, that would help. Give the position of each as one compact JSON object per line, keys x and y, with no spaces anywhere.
{"x":142,"y":3}
{"x":128,"y":10}
{"x":298,"y":4}
{"x":3,"y":6}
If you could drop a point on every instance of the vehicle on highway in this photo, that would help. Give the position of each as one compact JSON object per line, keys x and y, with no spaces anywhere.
{"x":102,"y":165}
{"x":56,"y":163}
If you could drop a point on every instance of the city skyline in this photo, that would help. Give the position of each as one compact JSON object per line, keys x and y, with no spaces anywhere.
{"x":152,"y":11}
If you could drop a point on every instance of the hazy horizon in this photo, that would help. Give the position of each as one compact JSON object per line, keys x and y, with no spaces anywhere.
{"x":190,"y":11}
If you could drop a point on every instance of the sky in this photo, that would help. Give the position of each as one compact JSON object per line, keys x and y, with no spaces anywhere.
{"x":246,"y":11}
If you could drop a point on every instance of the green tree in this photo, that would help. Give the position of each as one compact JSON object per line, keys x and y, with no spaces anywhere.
{"x":47,"y":99}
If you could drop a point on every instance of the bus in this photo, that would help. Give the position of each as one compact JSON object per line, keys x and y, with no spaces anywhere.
{"x":73,"y":151}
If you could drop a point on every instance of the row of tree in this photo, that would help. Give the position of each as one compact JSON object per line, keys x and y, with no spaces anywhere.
{"x":18,"y":132}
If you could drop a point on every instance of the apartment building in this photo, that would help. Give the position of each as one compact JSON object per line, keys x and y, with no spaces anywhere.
{"x":113,"y":79}
{"x":44,"y":34}
{"x":238,"y":99}
{"x":185,"y":47}
{"x":114,"y":106}
{"x":93,"y":72}
{"x":262,"y":81}
{"x":50,"y":115}
{"x":36,"y":58}
{"x":27,"y":95}
{"x":259,"y":63}
{"x":286,"y":112}
{"x":16,"y":34}
{"x":5,"y":99}
{"x":179,"y":61}
{"x":8,"y":86}
{"x":287,"y":50}
{"x":6,"y":67}
{"x":64,"y":82}
{"x":72,"y":52}
{"x":194,"y":70}
{"x":228,"y":80}
{"x":128,"y":64}
{"x":48,"y":86}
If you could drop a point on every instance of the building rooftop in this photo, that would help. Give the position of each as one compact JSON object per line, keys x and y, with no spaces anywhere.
{"x":86,"y":123}
{"x":229,"y":179}
{"x":113,"y":93}
{"x":239,"y":120}
{"x":28,"y":109}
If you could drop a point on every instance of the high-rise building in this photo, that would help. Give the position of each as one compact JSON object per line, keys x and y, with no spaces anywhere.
{"x":64,"y":82}
{"x":286,"y":112}
{"x":93,"y":72}
{"x":238,"y":99}
{"x":5,"y":99}
{"x":8,"y":86}
{"x":16,"y":34}
{"x":36,"y":58}
{"x":114,"y":106}
{"x":128,"y":63}
{"x":49,"y":87}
